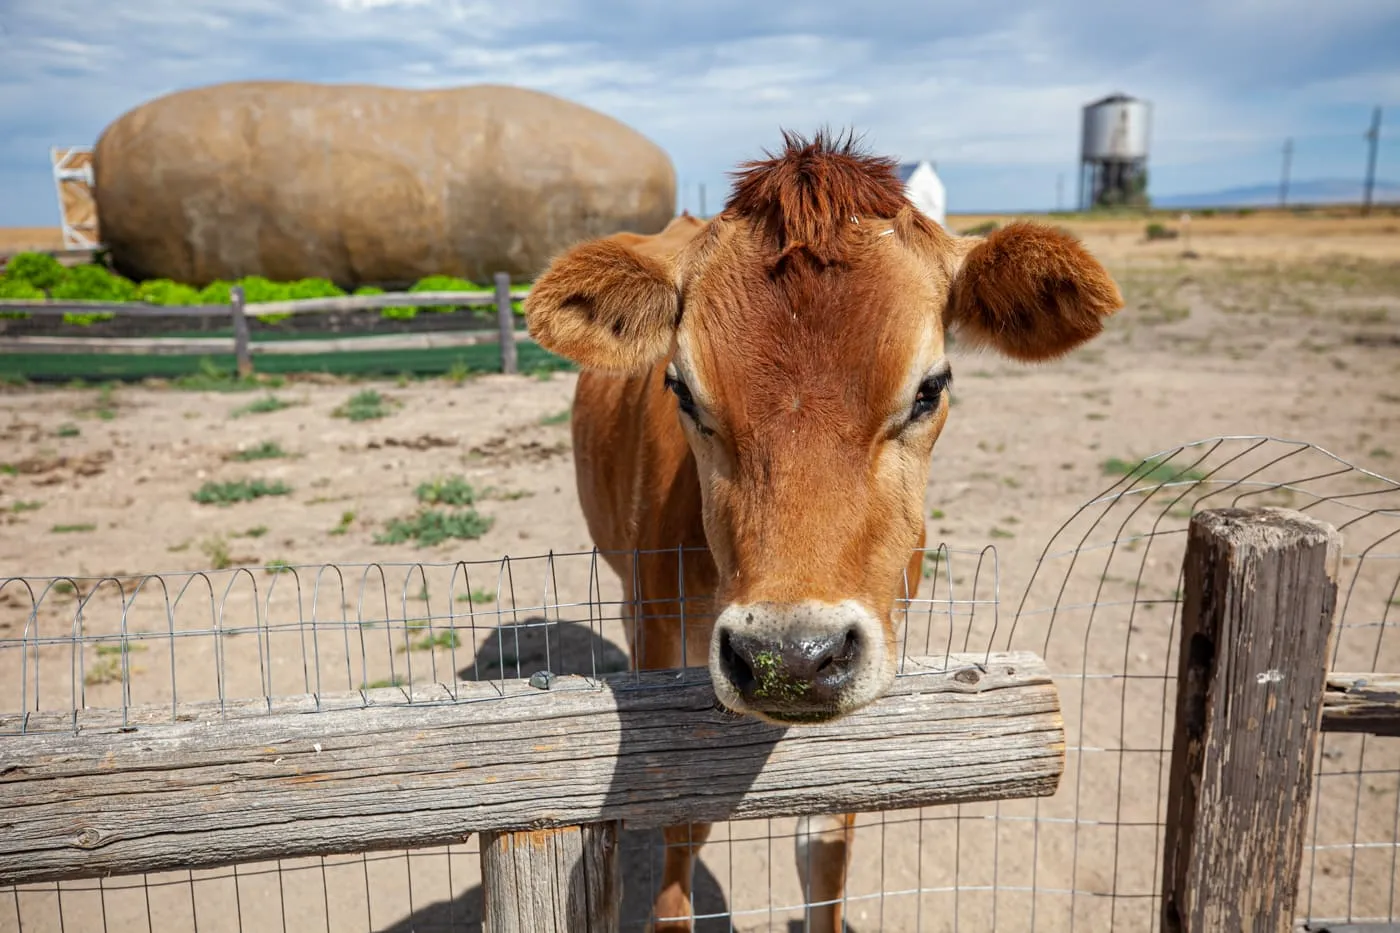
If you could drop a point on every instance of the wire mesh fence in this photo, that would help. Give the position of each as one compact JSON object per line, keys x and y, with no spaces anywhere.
{"x":1101,"y":604}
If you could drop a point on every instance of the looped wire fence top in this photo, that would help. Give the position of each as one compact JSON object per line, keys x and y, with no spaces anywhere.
{"x":1101,"y":603}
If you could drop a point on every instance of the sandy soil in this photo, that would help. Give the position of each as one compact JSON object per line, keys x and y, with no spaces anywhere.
{"x":1267,"y":331}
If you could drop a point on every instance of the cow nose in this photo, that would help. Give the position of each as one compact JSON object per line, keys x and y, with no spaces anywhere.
{"x":797,"y":673}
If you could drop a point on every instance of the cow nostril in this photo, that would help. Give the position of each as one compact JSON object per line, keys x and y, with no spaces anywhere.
{"x":739,"y":671}
{"x":844,"y":653}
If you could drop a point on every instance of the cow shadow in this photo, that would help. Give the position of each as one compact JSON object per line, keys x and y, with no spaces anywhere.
{"x":537,"y":644}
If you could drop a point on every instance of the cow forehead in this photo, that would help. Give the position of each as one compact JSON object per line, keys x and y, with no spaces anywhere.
{"x":845,"y":342}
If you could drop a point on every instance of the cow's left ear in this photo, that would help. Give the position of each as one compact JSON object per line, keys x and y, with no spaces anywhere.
{"x":1028,"y":291}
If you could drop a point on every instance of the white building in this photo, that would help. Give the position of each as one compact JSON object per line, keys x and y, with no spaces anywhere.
{"x":925,"y":189}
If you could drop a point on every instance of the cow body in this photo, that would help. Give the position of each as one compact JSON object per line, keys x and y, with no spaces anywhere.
{"x":753,"y":424}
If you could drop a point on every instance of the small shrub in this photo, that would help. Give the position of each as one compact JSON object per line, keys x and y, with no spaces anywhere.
{"x":216,"y":293}
{"x":12,"y":289}
{"x":559,"y":417}
{"x":445,"y":283}
{"x":477,"y":596}
{"x":278,"y":566}
{"x":313,"y":288}
{"x":217,"y":553}
{"x":1156,"y":231}
{"x":267,"y":450}
{"x":438,"y":283}
{"x":212,"y":493}
{"x":167,"y":293}
{"x":67,"y":430}
{"x":1156,"y":470}
{"x":106,"y":671}
{"x":363,"y":406}
{"x":73,"y":529}
{"x":453,"y":490}
{"x":93,"y":283}
{"x":262,"y":406}
{"x":26,"y":506}
{"x":431,"y":527}
{"x":982,"y":229}
{"x":346,"y":520}
{"x":38,"y":270}
{"x":447,"y":639}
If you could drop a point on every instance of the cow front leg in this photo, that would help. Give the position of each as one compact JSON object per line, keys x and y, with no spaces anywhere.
{"x":823,"y":845}
{"x":673,"y":910}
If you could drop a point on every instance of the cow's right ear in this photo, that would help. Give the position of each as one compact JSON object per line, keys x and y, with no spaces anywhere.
{"x":605,"y":306}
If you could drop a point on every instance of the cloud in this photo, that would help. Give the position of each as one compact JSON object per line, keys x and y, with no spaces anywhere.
{"x":992,"y":91}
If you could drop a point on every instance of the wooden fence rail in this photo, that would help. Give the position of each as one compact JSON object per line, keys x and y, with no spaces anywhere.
{"x":219,"y":784}
{"x":238,"y":311}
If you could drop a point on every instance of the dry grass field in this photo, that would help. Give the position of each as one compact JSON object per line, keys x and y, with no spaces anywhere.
{"x":1275,"y":324}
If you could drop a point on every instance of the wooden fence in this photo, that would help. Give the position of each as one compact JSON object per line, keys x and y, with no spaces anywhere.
{"x":238,"y":311}
{"x":547,"y":771}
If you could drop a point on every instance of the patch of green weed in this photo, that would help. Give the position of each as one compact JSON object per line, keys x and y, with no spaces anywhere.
{"x":346,"y":520}
{"x":363,"y":406}
{"x":431,"y":527}
{"x":262,"y":406}
{"x":243,"y":490}
{"x":451,"y":490}
{"x":267,"y":450}
{"x":1153,"y":469}
{"x":447,"y":639}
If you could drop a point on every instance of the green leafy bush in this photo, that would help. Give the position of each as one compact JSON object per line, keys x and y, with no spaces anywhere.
{"x":216,"y":293}
{"x":38,"y":269}
{"x":445,"y":283}
{"x":257,"y":288}
{"x":92,"y":283}
{"x":17,"y":290}
{"x":435,"y":283}
{"x":369,"y":290}
{"x":166,"y":293}
{"x":313,"y":288}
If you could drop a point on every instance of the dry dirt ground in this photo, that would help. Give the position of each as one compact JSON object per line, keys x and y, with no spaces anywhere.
{"x":1282,"y":326}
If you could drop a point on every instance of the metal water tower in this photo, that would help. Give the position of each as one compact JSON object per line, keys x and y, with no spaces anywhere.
{"x":1113,"y":152}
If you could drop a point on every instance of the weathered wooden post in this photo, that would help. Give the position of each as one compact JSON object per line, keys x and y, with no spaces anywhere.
{"x":241,"y":351}
{"x":565,"y":880}
{"x":506,"y":319}
{"x":1256,"y":639}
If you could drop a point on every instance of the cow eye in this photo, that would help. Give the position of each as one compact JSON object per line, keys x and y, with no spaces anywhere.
{"x":682,"y":393}
{"x":930,"y":394}
{"x":687,"y":401}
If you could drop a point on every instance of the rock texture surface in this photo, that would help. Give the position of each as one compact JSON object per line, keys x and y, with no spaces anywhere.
{"x":368,"y":185}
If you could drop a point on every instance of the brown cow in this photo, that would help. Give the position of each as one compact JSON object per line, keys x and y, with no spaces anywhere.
{"x":764,"y":390}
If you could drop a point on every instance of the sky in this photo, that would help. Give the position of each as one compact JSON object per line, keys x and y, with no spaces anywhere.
{"x":990,"y":91}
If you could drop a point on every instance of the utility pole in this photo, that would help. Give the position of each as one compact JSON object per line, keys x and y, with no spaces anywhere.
{"x":1374,"y":136}
{"x":1287,"y":164}
{"x":1059,"y":192}
{"x":702,"y":201}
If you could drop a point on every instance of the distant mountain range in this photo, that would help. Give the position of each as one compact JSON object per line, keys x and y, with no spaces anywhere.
{"x":1315,"y":191}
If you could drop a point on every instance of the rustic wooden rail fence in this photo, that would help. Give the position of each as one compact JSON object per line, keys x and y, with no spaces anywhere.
{"x":548,"y":771}
{"x":239,"y":310}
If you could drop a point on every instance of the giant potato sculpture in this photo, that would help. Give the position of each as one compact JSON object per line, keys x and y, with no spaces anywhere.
{"x":363,"y":184}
